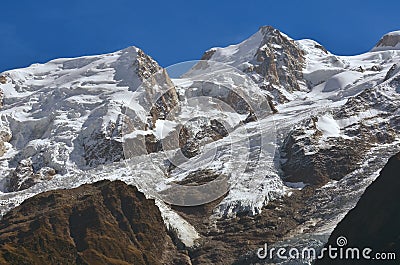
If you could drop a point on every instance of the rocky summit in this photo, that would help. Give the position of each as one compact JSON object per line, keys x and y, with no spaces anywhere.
{"x":271,"y":140}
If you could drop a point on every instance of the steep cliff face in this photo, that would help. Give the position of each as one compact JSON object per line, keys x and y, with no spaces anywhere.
{"x":101,"y":223}
{"x":374,"y":221}
{"x":279,"y":61}
{"x":24,"y":176}
{"x":5,"y":132}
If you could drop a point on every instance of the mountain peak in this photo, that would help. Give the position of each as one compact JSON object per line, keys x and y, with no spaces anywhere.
{"x":269,"y":31}
{"x":389,"y":41}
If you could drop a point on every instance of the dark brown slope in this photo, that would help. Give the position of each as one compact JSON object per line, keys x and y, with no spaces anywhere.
{"x":375,"y":221}
{"x":101,"y":223}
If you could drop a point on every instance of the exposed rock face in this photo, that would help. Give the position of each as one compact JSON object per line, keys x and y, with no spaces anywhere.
{"x":279,"y":61}
{"x":272,"y":59}
{"x":307,"y":160}
{"x":163,"y":103}
{"x":318,"y":166}
{"x":5,"y":132}
{"x":392,"y":71}
{"x":102,"y":143}
{"x":145,"y":65}
{"x":207,"y":55}
{"x":102,"y":223}
{"x":209,"y":131}
{"x":24,"y":176}
{"x":373,"y":223}
{"x":390,"y":41}
{"x":1,"y":97}
{"x":3,"y":79}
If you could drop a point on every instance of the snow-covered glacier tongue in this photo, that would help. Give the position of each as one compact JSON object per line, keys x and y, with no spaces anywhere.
{"x":273,"y":137}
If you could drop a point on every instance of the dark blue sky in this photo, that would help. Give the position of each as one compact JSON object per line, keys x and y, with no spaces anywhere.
{"x":175,"y":31}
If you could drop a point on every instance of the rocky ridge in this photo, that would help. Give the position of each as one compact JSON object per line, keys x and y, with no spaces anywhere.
{"x":272,"y":59}
{"x":100,"y":223}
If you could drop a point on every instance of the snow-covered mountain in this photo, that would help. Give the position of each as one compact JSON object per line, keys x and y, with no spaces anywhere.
{"x":271,"y":58}
{"x":265,"y":119}
{"x":390,"y":41}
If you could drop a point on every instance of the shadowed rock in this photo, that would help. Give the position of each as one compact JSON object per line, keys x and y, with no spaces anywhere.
{"x":374,"y":222}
